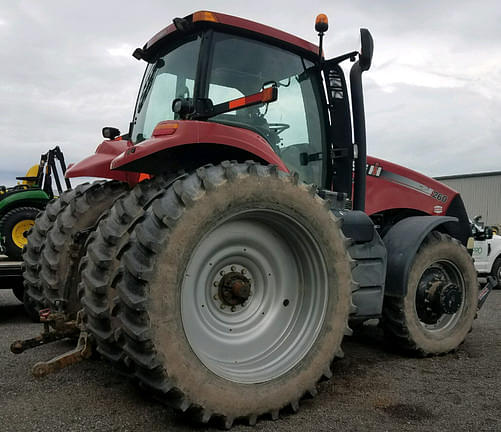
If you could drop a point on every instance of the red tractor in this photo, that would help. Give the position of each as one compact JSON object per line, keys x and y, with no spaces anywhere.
{"x":226,"y":281}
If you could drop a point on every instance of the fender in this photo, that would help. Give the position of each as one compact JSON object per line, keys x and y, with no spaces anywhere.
{"x":36,"y":196}
{"x":402,"y":243}
{"x":98,"y":165}
{"x":189,"y":144}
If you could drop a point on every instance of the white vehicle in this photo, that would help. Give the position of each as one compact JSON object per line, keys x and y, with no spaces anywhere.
{"x":486,"y":251}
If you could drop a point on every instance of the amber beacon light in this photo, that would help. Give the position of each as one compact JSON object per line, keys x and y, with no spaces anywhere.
{"x":321,"y":23}
{"x":321,"y":26}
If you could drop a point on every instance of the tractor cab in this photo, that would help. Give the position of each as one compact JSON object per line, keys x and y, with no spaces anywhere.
{"x":230,"y":67}
{"x":206,"y":67}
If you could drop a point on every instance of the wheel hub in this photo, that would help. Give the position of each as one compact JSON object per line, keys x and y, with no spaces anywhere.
{"x":234,"y":288}
{"x":450,"y":298}
{"x":437,"y":296}
{"x":19,"y":232}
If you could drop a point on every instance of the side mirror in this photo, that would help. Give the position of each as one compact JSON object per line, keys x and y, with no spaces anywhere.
{"x":488,"y":233}
{"x":110,"y":132}
{"x":367,"y":49}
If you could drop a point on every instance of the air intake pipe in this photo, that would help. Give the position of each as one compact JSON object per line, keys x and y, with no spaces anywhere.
{"x":358,"y":113}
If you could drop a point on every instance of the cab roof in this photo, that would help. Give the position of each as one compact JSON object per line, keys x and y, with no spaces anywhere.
{"x":229,"y":22}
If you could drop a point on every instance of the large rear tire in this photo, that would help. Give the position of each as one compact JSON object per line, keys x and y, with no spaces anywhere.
{"x":438,"y":310}
{"x":236,"y":293}
{"x":67,"y":243}
{"x":101,"y":273}
{"x":33,"y":297}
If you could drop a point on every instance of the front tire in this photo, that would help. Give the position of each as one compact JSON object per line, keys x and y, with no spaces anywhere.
{"x":439,"y":307}
{"x":14,"y":226}
{"x":236,"y":293}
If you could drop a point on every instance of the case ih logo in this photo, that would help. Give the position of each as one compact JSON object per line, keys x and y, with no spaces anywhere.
{"x":374,"y":170}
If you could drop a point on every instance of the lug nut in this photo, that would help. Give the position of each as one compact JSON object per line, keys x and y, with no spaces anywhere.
{"x":233,"y":309}
{"x":215,"y":297}
{"x":244,"y":271}
{"x":232,"y":268}
{"x":221,"y":272}
{"x":222,"y":306}
{"x":216,"y":283}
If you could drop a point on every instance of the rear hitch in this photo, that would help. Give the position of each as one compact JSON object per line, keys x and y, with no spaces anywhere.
{"x":486,"y":290}
{"x":81,"y":352}
{"x":62,"y":328}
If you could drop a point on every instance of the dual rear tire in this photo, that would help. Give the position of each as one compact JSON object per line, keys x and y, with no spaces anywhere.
{"x":235,"y":290}
{"x":57,"y":242}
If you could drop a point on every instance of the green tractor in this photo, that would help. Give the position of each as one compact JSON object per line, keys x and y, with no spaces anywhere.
{"x":20,"y":204}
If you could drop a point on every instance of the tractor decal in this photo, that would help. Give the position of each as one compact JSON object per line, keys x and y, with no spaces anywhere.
{"x":377,"y":171}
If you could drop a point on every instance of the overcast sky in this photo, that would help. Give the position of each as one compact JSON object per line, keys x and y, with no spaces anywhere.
{"x":433,"y":95}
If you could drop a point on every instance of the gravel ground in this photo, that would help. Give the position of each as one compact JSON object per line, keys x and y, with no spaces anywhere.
{"x":373,"y":389}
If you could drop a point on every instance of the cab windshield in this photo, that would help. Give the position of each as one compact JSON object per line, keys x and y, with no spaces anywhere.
{"x":171,"y":76}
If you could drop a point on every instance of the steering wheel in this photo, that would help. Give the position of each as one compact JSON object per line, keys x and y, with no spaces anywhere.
{"x":278,"y":128}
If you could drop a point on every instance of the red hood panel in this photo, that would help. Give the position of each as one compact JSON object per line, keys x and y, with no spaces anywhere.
{"x":392,"y":186}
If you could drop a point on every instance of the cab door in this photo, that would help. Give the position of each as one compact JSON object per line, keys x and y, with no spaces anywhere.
{"x":294,"y":125}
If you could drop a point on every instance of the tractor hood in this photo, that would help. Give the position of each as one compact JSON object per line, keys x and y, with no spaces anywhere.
{"x":392,"y":186}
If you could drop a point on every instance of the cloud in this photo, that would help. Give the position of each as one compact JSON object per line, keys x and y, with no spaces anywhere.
{"x":124,"y":50}
{"x":425,"y":129}
{"x":403,"y":74}
{"x":433,"y":93}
